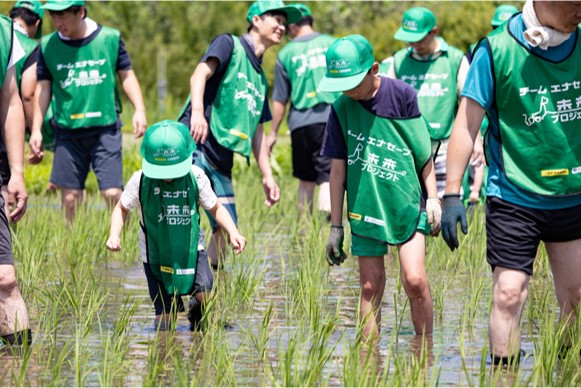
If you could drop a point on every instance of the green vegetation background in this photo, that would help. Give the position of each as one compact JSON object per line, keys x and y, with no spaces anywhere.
{"x":181,"y":32}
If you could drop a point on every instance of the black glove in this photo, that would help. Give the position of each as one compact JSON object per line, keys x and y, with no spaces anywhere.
{"x":453,"y":211}
{"x":334,"y":251}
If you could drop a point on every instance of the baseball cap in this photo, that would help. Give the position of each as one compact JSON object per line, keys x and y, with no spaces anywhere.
{"x":257,"y":8}
{"x":167,"y":150}
{"x":348,"y":61}
{"x":503,"y":13}
{"x":36,"y":7}
{"x":305,"y":11}
{"x":61,"y":5}
{"x":416,"y":24}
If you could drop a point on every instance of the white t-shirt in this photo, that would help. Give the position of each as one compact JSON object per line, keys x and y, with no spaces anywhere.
{"x":17,"y":51}
{"x":130,"y":201}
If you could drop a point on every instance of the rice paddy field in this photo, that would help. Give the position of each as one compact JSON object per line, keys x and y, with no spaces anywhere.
{"x":279,"y":315}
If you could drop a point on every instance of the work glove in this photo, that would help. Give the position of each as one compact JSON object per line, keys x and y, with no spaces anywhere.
{"x":434,"y":212}
{"x":453,"y":212}
{"x":334,"y":252}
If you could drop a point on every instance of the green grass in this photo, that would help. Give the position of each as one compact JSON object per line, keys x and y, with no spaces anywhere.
{"x":292,"y":320}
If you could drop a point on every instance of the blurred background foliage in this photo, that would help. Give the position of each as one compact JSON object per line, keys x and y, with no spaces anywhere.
{"x":180,"y":32}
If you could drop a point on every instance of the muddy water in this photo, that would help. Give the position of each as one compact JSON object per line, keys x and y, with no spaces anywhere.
{"x":446,"y":360}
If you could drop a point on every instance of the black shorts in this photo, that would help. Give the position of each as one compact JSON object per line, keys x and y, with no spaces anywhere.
{"x":308,"y":164}
{"x":5,"y":239}
{"x":162,"y":300}
{"x":74,"y":157}
{"x":513,"y":232}
{"x":4,"y":168}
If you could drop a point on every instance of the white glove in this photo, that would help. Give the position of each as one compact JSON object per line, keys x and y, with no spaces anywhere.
{"x":434,"y":212}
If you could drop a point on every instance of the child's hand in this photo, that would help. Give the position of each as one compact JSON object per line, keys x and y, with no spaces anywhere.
{"x":238,"y":243}
{"x":114,"y":243}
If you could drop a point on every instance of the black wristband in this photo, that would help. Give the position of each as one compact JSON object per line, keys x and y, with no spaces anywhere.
{"x":451,"y":195}
{"x":337,"y":227}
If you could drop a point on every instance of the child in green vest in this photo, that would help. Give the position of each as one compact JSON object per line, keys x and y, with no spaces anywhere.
{"x":168,"y":191}
{"x":381,"y":156}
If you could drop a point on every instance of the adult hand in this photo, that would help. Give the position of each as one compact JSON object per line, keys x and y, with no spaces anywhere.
{"x":139,"y":123}
{"x":477,"y":158}
{"x":474,"y":197}
{"x":238,"y":243}
{"x":270,"y":142}
{"x":334,"y":251}
{"x":17,"y":197}
{"x":198,"y":126}
{"x":453,"y":212}
{"x":35,"y":143}
{"x":114,"y":243}
{"x":271,"y":191}
{"x":434,"y":212}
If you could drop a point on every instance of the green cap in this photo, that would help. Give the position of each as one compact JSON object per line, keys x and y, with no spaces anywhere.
{"x":36,"y":7}
{"x":503,"y":13}
{"x":305,"y":11}
{"x":416,"y":24}
{"x":257,"y":8}
{"x":348,"y":61}
{"x":33,"y":5}
{"x":167,"y":150}
{"x":61,"y":5}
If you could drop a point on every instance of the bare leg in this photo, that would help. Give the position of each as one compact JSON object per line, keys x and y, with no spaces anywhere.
{"x":565,"y":259}
{"x":372,"y":281}
{"x":412,"y":259}
{"x":217,"y":246}
{"x":13,"y":313}
{"x":71,"y":198}
{"x":305,"y":197}
{"x":324,"y":198}
{"x":111,"y":196}
{"x":509,"y":295}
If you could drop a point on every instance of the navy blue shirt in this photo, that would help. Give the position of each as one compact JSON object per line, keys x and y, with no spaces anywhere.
{"x":394,"y":99}
{"x":221,"y":49}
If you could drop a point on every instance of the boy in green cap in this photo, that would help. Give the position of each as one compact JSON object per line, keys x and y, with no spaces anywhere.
{"x":228,"y":106}
{"x":437,"y":72}
{"x":76,"y":69}
{"x":168,"y":191}
{"x":381,"y":155}
{"x":299,"y":68}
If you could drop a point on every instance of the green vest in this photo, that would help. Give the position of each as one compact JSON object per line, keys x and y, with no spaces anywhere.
{"x":171,"y":227}
{"x":385,"y":161}
{"x":435,"y":82}
{"x":5,"y":37}
{"x":384,"y":68}
{"x":539,"y":111}
{"x":304,"y":62}
{"x":28,"y":45}
{"x":84,"y":85}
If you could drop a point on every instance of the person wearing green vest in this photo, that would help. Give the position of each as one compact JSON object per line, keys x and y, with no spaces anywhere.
{"x":76,"y":70}
{"x":299,"y":68}
{"x":14,"y":324}
{"x":227,"y":107}
{"x":168,"y":192}
{"x":533,"y":147}
{"x":381,"y":156}
{"x":27,"y":18}
{"x":437,"y":72}
{"x":474,"y":182}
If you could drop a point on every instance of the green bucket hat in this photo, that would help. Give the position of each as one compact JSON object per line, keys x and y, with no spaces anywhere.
{"x":348,"y":61}
{"x":167,"y":150}
{"x":260,"y":7}
{"x":416,"y":24}
{"x":503,"y":13}
{"x":61,"y":5}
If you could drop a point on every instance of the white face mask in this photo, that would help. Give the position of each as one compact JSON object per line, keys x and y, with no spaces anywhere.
{"x":538,"y":35}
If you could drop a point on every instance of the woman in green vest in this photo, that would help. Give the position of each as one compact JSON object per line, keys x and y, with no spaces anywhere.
{"x":168,"y":191}
{"x":381,"y":156}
